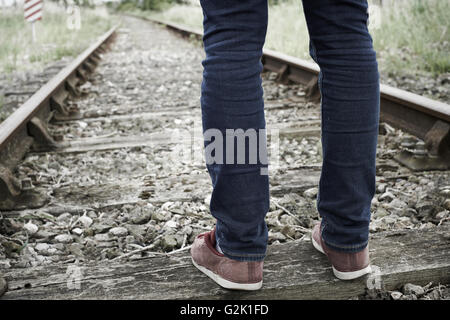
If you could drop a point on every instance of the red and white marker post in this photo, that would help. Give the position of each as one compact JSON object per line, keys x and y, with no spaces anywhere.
{"x":32,"y":13}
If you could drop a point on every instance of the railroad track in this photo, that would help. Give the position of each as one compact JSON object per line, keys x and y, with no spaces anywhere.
{"x":100,"y":188}
{"x":425,"y":118}
{"x":28,"y":125}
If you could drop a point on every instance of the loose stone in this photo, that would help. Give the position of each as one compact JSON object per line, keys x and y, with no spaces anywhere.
{"x":118,"y":231}
{"x":64,"y":238}
{"x":410,"y":288}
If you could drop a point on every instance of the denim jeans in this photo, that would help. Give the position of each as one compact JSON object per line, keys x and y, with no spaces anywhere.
{"x":232,"y":98}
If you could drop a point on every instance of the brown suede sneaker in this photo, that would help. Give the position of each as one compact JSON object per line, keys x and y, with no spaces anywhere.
{"x":346,"y":265}
{"x":228,"y":273}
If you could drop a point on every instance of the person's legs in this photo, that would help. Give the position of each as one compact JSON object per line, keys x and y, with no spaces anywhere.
{"x":349,"y":84}
{"x":232,"y":98}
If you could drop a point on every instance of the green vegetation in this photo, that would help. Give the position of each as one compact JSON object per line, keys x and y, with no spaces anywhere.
{"x":413,"y":37}
{"x":54,"y":38}
{"x":182,"y":14}
{"x":287,"y":30}
{"x":155,"y":5}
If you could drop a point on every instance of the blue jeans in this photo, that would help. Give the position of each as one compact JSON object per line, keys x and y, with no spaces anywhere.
{"x":232,"y":98}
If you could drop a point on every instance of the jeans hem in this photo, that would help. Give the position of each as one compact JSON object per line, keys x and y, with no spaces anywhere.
{"x":353,"y":248}
{"x":249,"y":257}
{"x":350,"y":248}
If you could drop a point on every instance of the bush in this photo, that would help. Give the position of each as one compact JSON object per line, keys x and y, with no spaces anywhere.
{"x":127,"y":6}
{"x":155,"y":5}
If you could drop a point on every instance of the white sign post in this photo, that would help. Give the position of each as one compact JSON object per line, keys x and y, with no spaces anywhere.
{"x":32,"y":13}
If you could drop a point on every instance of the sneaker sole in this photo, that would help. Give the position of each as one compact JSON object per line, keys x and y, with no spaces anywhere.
{"x":317,"y":246}
{"x":343,"y":275}
{"x":226,"y":283}
{"x":352,"y":274}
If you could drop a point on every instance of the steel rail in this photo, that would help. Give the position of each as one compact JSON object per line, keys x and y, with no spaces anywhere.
{"x":27,"y":128}
{"x":425,"y":118}
{"x":27,"y":111}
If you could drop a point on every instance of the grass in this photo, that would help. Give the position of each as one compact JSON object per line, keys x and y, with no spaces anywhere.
{"x":54,"y":39}
{"x":286,"y":31}
{"x":189,"y":16}
{"x":413,"y":36}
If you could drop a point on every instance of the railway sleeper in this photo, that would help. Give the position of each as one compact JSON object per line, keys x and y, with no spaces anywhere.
{"x":286,"y":74}
{"x":291,"y":271}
